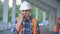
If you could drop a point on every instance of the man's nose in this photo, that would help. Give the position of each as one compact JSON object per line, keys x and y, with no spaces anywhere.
{"x":24,"y":12}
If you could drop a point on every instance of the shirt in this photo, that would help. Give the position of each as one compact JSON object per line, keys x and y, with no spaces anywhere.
{"x":27,"y":27}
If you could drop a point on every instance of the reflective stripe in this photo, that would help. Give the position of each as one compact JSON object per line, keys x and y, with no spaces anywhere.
{"x":34,"y":26}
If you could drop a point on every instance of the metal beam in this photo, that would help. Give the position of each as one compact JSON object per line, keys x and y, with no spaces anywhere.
{"x":52,"y":3}
{"x":42,"y":5}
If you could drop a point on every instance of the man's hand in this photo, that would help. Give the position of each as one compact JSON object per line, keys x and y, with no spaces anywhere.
{"x":21,"y":16}
{"x":19,"y":21}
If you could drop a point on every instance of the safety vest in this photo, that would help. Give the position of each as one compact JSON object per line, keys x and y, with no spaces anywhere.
{"x":34,"y":27}
{"x":55,"y":28}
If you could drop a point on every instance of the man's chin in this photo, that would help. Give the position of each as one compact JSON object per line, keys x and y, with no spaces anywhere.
{"x":25,"y":16}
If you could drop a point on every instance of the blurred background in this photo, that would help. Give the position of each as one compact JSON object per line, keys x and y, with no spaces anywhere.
{"x":45,"y":11}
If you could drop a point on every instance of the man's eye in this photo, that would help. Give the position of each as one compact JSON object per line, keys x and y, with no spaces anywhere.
{"x":23,"y":11}
{"x":27,"y":10}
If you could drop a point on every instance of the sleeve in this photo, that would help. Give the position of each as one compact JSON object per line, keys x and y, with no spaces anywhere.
{"x":38,"y":29}
{"x":13,"y":29}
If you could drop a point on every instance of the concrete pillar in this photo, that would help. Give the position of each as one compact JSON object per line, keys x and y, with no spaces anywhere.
{"x":0,"y":2}
{"x":5,"y":12}
{"x":37,"y":13}
{"x":58,"y":10}
{"x":13,"y":10}
{"x":44,"y":16}
{"x":52,"y":16}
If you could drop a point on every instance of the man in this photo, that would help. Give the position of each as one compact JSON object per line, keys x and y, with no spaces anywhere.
{"x":25,"y":23}
{"x":56,"y":24}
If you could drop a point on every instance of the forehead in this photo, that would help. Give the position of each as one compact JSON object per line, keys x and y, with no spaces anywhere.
{"x":26,"y":10}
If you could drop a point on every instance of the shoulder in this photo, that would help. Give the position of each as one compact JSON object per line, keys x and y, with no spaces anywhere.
{"x":35,"y":20}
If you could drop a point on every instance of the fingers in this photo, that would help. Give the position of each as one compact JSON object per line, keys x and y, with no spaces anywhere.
{"x":21,"y":15}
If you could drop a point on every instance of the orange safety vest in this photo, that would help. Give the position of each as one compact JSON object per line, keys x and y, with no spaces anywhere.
{"x":34,"y":27}
{"x":55,"y":28}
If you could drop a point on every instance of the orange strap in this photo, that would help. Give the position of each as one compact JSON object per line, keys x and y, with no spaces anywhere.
{"x":55,"y":28}
{"x":20,"y":29}
{"x":34,"y":26}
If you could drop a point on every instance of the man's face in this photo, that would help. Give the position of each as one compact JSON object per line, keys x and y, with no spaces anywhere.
{"x":26,"y":13}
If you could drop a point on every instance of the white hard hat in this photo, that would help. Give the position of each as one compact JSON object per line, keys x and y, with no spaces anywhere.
{"x":25,"y":5}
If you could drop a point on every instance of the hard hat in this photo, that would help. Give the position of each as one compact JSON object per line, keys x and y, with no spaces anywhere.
{"x":25,"y":5}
